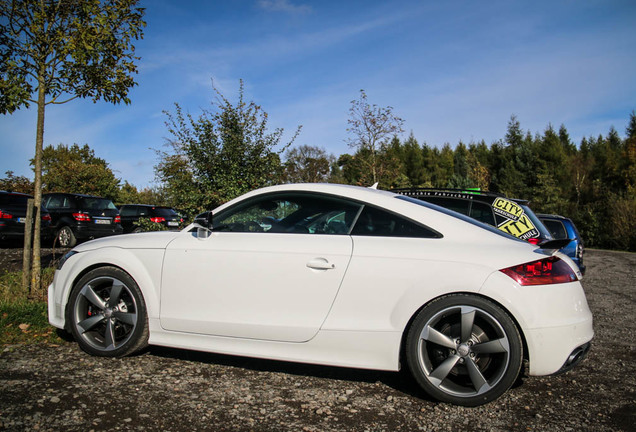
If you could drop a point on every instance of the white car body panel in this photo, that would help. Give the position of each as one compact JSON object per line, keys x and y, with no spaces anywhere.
{"x":252,"y":285}
{"x":354,"y":315}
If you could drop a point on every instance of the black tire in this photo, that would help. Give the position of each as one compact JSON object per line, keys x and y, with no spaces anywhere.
{"x":104,"y":325}
{"x":138,"y":230}
{"x":66,"y":237}
{"x":464,"y":350}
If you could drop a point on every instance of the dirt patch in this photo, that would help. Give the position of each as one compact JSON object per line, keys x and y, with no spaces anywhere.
{"x":49,"y":387}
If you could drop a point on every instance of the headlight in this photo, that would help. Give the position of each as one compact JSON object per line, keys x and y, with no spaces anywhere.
{"x":65,"y":257}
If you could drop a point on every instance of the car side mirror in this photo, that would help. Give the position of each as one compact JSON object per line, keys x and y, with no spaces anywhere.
{"x":204,"y":225}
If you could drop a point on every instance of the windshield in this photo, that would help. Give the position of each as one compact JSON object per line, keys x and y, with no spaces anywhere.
{"x":457,"y":216}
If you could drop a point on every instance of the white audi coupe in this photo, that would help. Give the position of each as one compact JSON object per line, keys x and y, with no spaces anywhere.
{"x":334,"y":275}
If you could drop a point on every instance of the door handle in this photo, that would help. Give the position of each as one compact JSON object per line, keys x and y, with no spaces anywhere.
{"x":320,"y":264}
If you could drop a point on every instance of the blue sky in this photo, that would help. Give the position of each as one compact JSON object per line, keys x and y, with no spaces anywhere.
{"x":453,"y":70}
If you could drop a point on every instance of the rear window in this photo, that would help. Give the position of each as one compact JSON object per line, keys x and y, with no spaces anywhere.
{"x":11,"y":199}
{"x":164,"y":211}
{"x":89,"y":203}
{"x":457,"y":216}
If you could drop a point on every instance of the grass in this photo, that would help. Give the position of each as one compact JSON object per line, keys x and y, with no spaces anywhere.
{"x":24,"y":316}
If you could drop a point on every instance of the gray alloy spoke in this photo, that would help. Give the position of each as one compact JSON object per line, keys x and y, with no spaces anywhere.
{"x":126,"y":317}
{"x":115,"y":293}
{"x":92,"y":297}
{"x":492,"y":347}
{"x":468,"y":318}
{"x":442,"y":371}
{"x":478,"y":380}
{"x":429,"y":334}
{"x":89,"y":323}
{"x":109,"y":336}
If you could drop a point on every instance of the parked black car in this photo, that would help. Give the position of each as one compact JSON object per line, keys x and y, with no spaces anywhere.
{"x":513,"y":216}
{"x":131,"y":213}
{"x":77,"y":217}
{"x":563,"y":228}
{"x":13,"y":210}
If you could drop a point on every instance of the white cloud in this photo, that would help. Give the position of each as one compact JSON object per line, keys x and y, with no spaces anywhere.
{"x":284,"y":6}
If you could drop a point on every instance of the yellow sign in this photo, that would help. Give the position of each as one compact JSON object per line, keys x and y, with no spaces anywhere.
{"x":507,"y":209}
{"x":522,"y":228}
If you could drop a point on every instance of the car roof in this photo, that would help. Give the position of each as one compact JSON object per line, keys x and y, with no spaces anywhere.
{"x":16,"y":193}
{"x":75,"y":195}
{"x":437,"y":217}
{"x":455,"y":193}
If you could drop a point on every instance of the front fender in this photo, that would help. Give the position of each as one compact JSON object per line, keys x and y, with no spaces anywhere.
{"x":143,"y":265}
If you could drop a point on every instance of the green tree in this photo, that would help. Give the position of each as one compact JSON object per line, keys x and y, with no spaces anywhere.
{"x":54,"y":51}
{"x":129,"y":194}
{"x":413,"y":162}
{"x":76,"y":169}
{"x":15,"y":183}
{"x":372,"y":128}
{"x":224,"y":153}
{"x":307,"y":164}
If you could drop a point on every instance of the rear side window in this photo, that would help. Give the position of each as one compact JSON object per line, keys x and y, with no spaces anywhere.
{"x":10,"y":199}
{"x":380,"y":223}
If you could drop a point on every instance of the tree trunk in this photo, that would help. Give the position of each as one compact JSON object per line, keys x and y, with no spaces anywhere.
{"x":39,"y":139}
{"x":26,"y":252}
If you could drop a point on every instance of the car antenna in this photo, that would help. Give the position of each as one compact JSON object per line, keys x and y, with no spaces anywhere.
{"x":375,"y":186}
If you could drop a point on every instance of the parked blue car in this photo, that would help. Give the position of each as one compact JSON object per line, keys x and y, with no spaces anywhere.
{"x":563,"y":228}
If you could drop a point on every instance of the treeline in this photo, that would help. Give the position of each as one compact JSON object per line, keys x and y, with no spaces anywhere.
{"x":594,"y":183}
{"x":228,"y":150}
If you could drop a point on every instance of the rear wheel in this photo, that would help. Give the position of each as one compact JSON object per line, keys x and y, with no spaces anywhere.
{"x":66,"y":237}
{"x":107,"y":314}
{"x":464,"y":349}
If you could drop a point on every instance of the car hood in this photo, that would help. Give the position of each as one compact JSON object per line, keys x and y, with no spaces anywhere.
{"x":149,"y":240}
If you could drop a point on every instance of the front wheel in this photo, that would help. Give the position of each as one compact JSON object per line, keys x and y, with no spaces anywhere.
{"x":464,"y":350}
{"x":107,"y":314}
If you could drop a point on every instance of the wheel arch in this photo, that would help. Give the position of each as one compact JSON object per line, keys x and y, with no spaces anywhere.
{"x":125,"y":261}
{"x":405,"y":330}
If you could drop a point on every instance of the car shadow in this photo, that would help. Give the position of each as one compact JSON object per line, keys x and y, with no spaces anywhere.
{"x":400,"y":381}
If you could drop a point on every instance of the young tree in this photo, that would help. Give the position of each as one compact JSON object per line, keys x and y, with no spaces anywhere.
{"x":224,"y":153}
{"x":372,"y":128}
{"x":53,"y":51}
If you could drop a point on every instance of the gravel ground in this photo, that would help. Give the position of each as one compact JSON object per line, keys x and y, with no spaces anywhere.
{"x":59,"y":388}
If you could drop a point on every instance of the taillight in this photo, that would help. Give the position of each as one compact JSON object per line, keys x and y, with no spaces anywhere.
{"x":4,"y":215}
{"x":82,"y":217}
{"x":46,"y":217}
{"x":157,"y":219}
{"x":117,"y":219}
{"x":547,"y":271}
{"x":534,"y":240}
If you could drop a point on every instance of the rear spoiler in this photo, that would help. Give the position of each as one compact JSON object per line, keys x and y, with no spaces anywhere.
{"x":554,"y":244}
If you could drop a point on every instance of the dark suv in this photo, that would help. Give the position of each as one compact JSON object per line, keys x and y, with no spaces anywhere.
{"x":78,"y":217}
{"x":13,"y":210}
{"x":563,"y":228}
{"x":509,"y":215}
{"x":131,"y":213}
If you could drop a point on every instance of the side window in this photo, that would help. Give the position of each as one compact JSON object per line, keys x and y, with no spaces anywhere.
{"x":380,"y":223}
{"x":556,"y":229}
{"x":290,"y":213}
{"x":127,"y":211}
{"x":483,"y":213}
{"x":54,"y":202}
